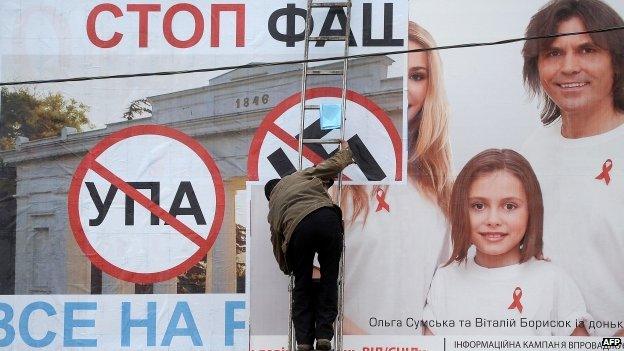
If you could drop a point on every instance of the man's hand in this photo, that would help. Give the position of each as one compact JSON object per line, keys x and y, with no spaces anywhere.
{"x":343,"y":144}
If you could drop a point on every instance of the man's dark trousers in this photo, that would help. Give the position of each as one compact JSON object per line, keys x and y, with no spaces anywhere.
{"x":319,"y":232}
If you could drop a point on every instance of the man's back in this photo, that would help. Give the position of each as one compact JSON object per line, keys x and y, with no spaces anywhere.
{"x":299,"y":194}
{"x":304,"y":223}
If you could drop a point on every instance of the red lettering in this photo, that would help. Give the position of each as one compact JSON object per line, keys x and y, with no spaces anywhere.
{"x":215,"y":13}
{"x":168,"y":24}
{"x":143,"y":10}
{"x":91,"y":33}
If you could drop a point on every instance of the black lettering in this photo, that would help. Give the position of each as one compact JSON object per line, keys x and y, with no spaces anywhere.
{"x":186,"y":189}
{"x":154,"y":188}
{"x":365,"y":160}
{"x":327,"y":30}
{"x":290,"y":37}
{"x":102,"y":207}
{"x":314,"y":131}
{"x":387,"y":40}
{"x":281,"y":163}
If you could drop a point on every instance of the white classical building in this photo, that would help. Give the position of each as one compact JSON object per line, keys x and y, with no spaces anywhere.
{"x":223,"y":116}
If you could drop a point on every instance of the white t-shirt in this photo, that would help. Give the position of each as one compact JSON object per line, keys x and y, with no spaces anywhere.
{"x":390,"y":260}
{"x":496,"y":301}
{"x":584,"y":216}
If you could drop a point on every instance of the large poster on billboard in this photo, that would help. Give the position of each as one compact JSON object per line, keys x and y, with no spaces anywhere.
{"x":125,"y":133}
{"x":136,"y":139}
{"x":506,"y":226}
{"x":557,"y":102}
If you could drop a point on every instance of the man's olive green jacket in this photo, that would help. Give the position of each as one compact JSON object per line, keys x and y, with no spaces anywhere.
{"x":296,"y":196}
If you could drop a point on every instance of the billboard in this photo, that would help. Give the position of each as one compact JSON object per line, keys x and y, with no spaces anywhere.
{"x":125,"y":212}
{"x":485,"y":216}
{"x":430,"y":256}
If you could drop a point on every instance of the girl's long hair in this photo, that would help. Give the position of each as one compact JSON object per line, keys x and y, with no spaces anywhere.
{"x":486,"y":162}
{"x":429,"y":156}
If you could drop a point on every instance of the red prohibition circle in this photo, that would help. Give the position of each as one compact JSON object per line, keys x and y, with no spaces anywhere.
{"x":264,"y":128}
{"x":74,"y":209}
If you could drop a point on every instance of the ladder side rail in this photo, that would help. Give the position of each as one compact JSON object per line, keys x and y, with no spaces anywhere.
{"x":304,"y":79}
{"x":292,"y":342}
{"x":341,"y":281}
{"x":291,"y":336}
{"x":338,"y":326}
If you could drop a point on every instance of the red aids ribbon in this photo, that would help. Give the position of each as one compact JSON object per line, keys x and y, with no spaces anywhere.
{"x":381,"y":198}
{"x":517,"y":294}
{"x":606,"y":168}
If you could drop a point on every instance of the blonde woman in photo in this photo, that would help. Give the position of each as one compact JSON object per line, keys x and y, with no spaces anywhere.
{"x":397,"y":235}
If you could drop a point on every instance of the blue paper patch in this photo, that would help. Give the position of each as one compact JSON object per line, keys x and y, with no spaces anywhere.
{"x":331,"y":116}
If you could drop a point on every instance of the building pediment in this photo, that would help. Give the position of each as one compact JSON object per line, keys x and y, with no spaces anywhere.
{"x":233,"y":102}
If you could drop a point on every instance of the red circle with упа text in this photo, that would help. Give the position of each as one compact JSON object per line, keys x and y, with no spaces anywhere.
{"x":137,"y":237}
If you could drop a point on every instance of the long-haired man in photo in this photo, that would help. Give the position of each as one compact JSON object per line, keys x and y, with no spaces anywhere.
{"x":579,"y":153}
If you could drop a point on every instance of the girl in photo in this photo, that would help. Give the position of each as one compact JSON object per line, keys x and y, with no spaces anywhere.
{"x":506,"y":287}
{"x":397,"y":235}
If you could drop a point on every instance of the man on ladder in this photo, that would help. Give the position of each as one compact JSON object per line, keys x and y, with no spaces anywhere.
{"x":320,"y":233}
{"x":304,"y":221}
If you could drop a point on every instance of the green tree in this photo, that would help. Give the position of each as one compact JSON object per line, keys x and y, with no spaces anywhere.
{"x":24,"y":112}
{"x":241,"y":248}
{"x":193,"y":281}
{"x":138,"y":108}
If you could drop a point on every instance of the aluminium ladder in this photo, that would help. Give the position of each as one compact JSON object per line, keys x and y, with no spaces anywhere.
{"x":307,"y":71}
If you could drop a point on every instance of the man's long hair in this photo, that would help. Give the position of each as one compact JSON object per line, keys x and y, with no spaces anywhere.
{"x":595,"y":14}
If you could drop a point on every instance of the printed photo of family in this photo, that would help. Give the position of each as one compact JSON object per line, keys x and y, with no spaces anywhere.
{"x":542,"y":221}
{"x":516,"y":242}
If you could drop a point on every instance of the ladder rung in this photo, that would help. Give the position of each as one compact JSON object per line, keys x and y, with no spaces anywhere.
{"x":326,"y":72}
{"x":312,"y":107}
{"x":321,"y":141}
{"x":329,"y":38}
{"x":330,"y":4}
